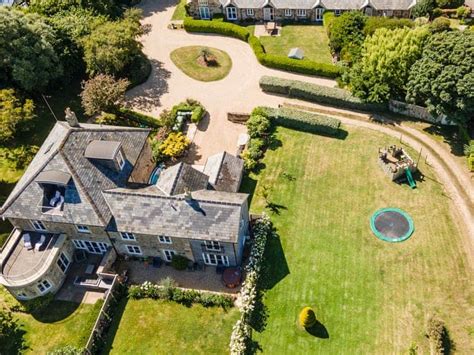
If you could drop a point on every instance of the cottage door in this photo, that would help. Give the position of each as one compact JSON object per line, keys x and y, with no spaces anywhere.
{"x":268,"y":13}
{"x":204,"y":13}
{"x":319,"y":14}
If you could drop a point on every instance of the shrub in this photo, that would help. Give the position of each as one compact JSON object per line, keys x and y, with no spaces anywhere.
{"x":307,"y":122}
{"x":375,"y":22}
{"x":140,"y":118}
{"x":438,"y":336}
{"x":224,"y":28}
{"x":303,"y":66}
{"x":179,"y":262}
{"x":67,"y":350}
{"x":328,"y":17}
{"x":449,"y":4}
{"x":198,"y":114}
{"x":139,"y":70}
{"x":249,"y":162}
{"x":316,"y":93}
{"x":258,"y":126}
{"x":174,"y":145}
{"x":307,"y":317}
{"x":440,"y":24}
{"x":463,"y":11}
{"x":256,"y":148}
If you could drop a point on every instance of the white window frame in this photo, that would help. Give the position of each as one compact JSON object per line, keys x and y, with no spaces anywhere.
{"x":213,"y":245}
{"x":168,"y":253}
{"x":250,"y":12}
{"x":82,"y":228}
{"x":204,"y":12}
{"x":91,"y":246}
{"x":63,"y":262}
{"x":128,"y":236}
{"x":38,"y":226}
{"x":163,"y":239}
{"x":21,"y":295}
{"x":231,"y":13}
{"x":301,"y":12}
{"x":42,"y":288}
{"x":288,"y":12}
{"x":337,"y":12}
{"x":203,"y":2}
{"x":133,"y":249}
{"x":120,"y":159}
{"x":213,"y":259}
{"x":319,"y":12}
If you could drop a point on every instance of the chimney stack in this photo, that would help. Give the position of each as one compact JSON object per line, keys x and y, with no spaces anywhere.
{"x":187,"y":195}
{"x":71,"y":118}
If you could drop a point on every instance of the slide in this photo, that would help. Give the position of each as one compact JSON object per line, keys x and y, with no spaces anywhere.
{"x":410,"y":179}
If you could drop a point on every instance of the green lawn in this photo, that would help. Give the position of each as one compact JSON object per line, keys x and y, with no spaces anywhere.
{"x":160,"y":327}
{"x":187,"y":60}
{"x":180,"y":11}
{"x":312,"y":39}
{"x":60,"y":324}
{"x":371,"y":297}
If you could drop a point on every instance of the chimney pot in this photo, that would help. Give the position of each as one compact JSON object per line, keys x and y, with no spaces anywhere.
{"x":71,"y":118}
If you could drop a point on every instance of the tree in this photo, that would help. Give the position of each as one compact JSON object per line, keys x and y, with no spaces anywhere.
{"x":102,"y":93}
{"x":11,"y":336}
{"x":258,"y":126}
{"x":27,"y":50}
{"x":13,"y":113}
{"x":307,"y":317}
{"x":386,"y":59}
{"x":346,"y":34}
{"x":52,"y":7}
{"x":424,"y":8}
{"x":113,"y":45}
{"x":443,"y":78}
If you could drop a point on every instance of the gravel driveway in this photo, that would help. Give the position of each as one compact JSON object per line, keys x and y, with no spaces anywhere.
{"x":167,"y":85}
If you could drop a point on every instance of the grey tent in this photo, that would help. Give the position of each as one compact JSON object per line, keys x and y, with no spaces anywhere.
{"x":296,"y":53}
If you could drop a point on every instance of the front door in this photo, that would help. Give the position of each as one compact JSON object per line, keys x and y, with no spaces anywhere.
{"x":319,"y":14}
{"x":204,"y":13}
{"x":268,"y":14}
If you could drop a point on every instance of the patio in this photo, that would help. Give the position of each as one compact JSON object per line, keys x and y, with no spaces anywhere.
{"x":206,"y":279}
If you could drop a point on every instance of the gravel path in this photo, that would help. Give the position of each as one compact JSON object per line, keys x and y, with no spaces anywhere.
{"x":167,"y":85}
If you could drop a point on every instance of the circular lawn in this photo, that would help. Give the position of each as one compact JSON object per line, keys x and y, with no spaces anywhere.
{"x":202,"y":63}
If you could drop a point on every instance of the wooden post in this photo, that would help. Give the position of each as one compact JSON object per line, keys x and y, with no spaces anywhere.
{"x":401,"y":138}
{"x":419,"y":156}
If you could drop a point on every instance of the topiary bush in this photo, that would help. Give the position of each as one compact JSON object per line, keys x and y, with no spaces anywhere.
{"x":307,"y":318}
{"x":258,"y":126}
{"x":179,"y":262}
{"x":198,"y":114}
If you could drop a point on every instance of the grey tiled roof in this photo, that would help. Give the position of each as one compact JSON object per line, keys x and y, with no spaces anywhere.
{"x":327,"y":4}
{"x":176,"y":179}
{"x":211,"y":215}
{"x":392,"y":4}
{"x":63,"y":150}
{"x":225,"y":171}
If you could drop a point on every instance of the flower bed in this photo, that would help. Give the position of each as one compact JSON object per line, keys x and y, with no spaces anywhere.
{"x":241,"y":333}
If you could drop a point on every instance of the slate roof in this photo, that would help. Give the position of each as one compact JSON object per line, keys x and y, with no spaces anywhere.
{"x":211,"y":215}
{"x":63,"y":151}
{"x":224,"y":171}
{"x":327,"y":4}
{"x":176,"y":179}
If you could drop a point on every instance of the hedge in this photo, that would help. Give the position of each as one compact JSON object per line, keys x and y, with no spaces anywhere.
{"x":269,"y":60}
{"x":316,"y":93}
{"x":223,"y":28}
{"x":140,"y":118}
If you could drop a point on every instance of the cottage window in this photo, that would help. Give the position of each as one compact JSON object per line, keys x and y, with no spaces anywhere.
{"x":43,"y":286}
{"x":288,"y":12}
{"x":164,"y":239}
{"x":213,"y":245}
{"x":250,"y":12}
{"x":21,"y":295}
{"x":301,"y":12}
{"x":231,"y":13}
{"x":169,"y":254}
{"x":203,"y":2}
{"x":90,"y":246}
{"x":120,"y":160}
{"x":337,"y":12}
{"x":134,"y":249}
{"x":39,"y":226}
{"x":214,"y":259}
{"x":63,"y":262}
{"x":127,"y":236}
{"x":82,"y":229}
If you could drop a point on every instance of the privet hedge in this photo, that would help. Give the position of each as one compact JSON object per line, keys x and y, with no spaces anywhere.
{"x":269,"y":60}
{"x":140,"y":118}
{"x":316,"y":93}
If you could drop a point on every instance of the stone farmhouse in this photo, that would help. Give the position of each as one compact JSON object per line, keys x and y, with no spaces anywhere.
{"x":88,"y":189}
{"x":295,"y":10}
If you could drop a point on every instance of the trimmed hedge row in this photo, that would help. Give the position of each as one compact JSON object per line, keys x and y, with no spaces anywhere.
{"x":316,"y":93}
{"x":269,"y":60}
{"x":223,"y":28}
{"x":303,"y":121}
{"x":140,"y":118}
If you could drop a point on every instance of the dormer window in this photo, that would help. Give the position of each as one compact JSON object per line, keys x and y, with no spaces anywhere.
{"x":106,"y":153}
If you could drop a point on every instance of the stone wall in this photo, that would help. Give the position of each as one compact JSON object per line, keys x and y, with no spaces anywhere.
{"x":415,"y":111}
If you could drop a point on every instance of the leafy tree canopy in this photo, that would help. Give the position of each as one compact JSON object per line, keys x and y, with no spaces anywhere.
{"x":443,"y":78}
{"x":13,"y":113}
{"x":27,"y":50}
{"x":102,"y":93}
{"x":113,"y":45}
{"x":11,"y":336}
{"x":424,"y":8}
{"x":51,"y":7}
{"x":385,"y":63}
{"x":347,"y":29}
